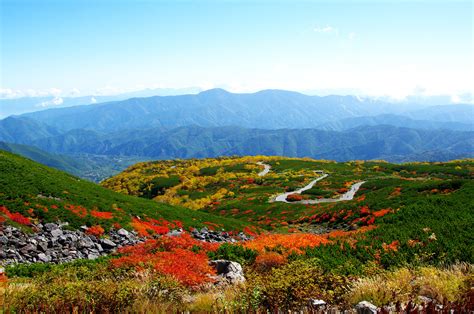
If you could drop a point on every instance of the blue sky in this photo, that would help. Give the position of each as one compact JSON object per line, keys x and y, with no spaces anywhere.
{"x":368,"y":47}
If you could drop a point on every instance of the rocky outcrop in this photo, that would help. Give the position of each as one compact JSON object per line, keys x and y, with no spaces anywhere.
{"x":228,"y":271}
{"x":204,"y":234}
{"x":54,"y":244}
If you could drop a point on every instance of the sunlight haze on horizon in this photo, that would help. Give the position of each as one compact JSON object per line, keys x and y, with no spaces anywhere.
{"x":392,"y":48}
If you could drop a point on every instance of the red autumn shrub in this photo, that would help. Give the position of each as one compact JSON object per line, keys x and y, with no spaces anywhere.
{"x":364,"y":211}
{"x":101,"y":215}
{"x":268,"y":260}
{"x":294,"y":197}
{"x":250,"y":230}
{"x":185,"y":241}
{"x":96,"y":230}
{"x":150,"y":226}
{"x":76,"y":210}
{"x":382,"y":212}
{"x":211,"y":225}
{"x":371,"y":221}
{"x":189,"y":268}
{"x":172,"y":256}
{"x":392,"y":246}
{"x":16,"y":217}
{"x":342,"y":190}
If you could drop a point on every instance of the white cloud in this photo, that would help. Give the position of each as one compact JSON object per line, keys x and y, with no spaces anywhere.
{"x":18,"y":93}
{"x":56,"y":101}
{"x":326,"y":29}
{"x":9,"y":93}
{"x":352,"y":35}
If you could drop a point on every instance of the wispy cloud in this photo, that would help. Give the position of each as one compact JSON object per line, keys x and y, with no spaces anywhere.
{"x":352,"y":35}
{"x":8,"y":93}
{"x":326,"y":29}
{"x":56,"y":101}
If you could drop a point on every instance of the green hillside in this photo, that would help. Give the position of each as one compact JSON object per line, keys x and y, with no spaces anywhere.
{"x":404,"y":233}
{"x":45,"y":194}
{"x":87,"y":166}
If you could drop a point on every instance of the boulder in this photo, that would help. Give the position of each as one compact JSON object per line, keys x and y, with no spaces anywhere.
{"x":50,"y":226}
{"x":92,"y":256}
{"x":122,"y":232}
{"x":365,"y":307}
{"x":56,"y":233}
{"x":229,"y":270}
{"x":44,"y":258}
{"x":107,"y":244}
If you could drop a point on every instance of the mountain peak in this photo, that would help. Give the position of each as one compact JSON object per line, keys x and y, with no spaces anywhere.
{"x":214,"y":91}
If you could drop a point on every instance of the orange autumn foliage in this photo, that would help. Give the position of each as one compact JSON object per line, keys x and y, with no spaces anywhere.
{"x":343,"y":234}
{"x":102,"y":215}
{"x":171,"y":256}
{"x":382,"y":212}
{"x":396,"y":191}
{"x":145,"y":228}
{"x":294,"y":197}
{"x":16,"y":217}
{"x":95,"y":231}
{"x":291,"y":243}
{"x":268,"y":260}
{"x":189,"y":268}
{"x":76,"y":210}
{"x":392,"y":246}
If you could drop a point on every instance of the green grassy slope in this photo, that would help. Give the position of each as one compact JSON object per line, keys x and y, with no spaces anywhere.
{"x":91,"y":167}
{"x":425,"y":210}
{"x":46,"y":194}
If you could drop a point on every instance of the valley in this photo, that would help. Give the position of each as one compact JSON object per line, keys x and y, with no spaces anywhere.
{"x":356,"y":220}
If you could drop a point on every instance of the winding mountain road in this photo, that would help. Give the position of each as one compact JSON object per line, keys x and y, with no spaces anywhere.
{"x":349,"y":195}
{"x":266,"y":169}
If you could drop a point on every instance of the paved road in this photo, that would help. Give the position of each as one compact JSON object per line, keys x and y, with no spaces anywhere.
{"x":265,"y":170}
{"x":349,"y":195}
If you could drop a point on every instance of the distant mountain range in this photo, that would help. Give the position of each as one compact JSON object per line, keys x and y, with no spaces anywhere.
{"x":270,"y":122}
{"x":15,"y":106}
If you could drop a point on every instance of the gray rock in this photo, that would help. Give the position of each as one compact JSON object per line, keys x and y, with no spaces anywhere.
{"x":107,"y":244}
{"x":28,"y":248}
{"x":85,"y":242}
{"x":99,"y":247}
{"x":50,"y":226}
{"x":229,"y":270}
{"x":175,"y":233}
{"x":44,"y":258}
{"x":365,"y":307}
{"x":42,"y":246}
{"x":92,"y":256}
{"x":122,"y":232}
